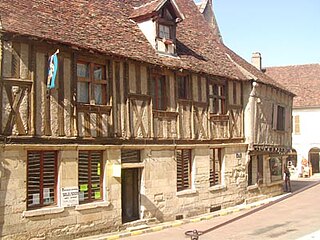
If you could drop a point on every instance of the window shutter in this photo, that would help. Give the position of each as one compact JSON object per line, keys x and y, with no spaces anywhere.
{"x":183,"y":169}
{"x":34,"y":169}
{"x":179,"y":171}
{"x":83,"y":171}
{"x":41,"y":177}
{"x":274,"y":116}
{"x":130,"y":156}
{"x":49,"y":163}
{"x":297,"y":124}
{"x":90,"y":172}
{"x":186,"y":168}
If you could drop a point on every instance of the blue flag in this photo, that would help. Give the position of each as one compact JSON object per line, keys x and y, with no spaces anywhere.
{"x":52,"y":70}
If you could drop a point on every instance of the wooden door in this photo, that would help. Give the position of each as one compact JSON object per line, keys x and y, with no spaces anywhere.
{"x":315,"y":162}
{"x":130,"y":194}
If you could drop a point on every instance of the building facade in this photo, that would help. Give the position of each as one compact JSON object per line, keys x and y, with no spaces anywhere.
{"x":141,"y":115}
{"x":304,"y":81}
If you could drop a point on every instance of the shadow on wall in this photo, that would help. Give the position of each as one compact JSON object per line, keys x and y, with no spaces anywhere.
{"x":149,"y":209}
{"x":4,"y":180}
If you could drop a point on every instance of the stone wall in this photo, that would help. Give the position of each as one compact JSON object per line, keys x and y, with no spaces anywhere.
{"x":158,"y":190}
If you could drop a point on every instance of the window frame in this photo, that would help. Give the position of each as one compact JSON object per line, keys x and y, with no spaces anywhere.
{"x":41,"y":179}
{"x":184,"y":93}
{"x":212,"y":169}
{"x":219,"y":99}
{"x":186,"y":181}
{"x":155,"y":80}
{"x":89,"y":184}
{"x":281,"y":118}
{"x":276,"y":168}
{"x":92,"y":82}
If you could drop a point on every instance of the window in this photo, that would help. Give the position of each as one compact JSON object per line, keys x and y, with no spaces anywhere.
{"x":164,"y":31}
{"x":90,"y":176}
{"x":184,"y":166}
{"x":92,"y":83}
{"x":158,"y":91}
{"x":281,"y":118}
{"x":255,"y":170}
{"x":217,"y":99}
{"x":278,"y":117}
{"x":130,"y":156}
{"x":41,"y":179}
{"x":183,"y":87}
{"x":275,"y":168}
{"x":297,"y":124}
{"x":215,"y":166}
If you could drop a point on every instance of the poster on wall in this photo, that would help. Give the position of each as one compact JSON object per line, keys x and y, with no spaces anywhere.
{"x":69,"y":196}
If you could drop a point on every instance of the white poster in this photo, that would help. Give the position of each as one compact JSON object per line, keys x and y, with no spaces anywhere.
{"x":46,"y":195}
{"x":69,"y":196}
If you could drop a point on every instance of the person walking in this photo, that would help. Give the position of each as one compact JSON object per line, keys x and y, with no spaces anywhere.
{"x":287,"y":179}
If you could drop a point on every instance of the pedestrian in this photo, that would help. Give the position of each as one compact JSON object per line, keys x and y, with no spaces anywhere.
{"x":287,"y":179}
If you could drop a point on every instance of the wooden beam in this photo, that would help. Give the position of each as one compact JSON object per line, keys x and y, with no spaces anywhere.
{"x":61,"y":123}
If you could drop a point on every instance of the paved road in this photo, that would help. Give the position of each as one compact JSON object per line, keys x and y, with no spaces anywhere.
{"x":292,"y":218}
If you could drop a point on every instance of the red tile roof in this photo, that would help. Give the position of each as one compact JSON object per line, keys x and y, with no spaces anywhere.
{"x":146,"y":8}
{"x":253,"y":73}
{"x":106,"y":27}
{"x":303,"y":80}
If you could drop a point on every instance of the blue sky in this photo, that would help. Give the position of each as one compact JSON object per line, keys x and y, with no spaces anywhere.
{"x":285,"y":32}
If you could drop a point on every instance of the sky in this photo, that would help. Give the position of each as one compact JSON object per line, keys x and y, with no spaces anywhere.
{"x":285,"y":32}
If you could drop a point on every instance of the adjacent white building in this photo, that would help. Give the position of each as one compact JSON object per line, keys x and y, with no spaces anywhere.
{"x":304,"y":81}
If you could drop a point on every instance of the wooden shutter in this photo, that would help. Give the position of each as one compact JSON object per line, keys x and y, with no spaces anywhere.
{"x":90,"y":172}
{"x":96,"y":175}
{"x":83,"y":178}
{"x":130,"y":156}
{"x":34,"y":169}
{"x":215,"y":167}
{"x":49,"y":177}
{"x":296,"y":124}
{"x":274,"y":116}
{"x":42,"y":179}
{"x":183,"y":169}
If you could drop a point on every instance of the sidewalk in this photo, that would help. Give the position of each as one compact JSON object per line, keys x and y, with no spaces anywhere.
{"x":298,"y":185}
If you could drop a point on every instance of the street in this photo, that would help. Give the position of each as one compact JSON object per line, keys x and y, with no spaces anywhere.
{"x":291,"y":218}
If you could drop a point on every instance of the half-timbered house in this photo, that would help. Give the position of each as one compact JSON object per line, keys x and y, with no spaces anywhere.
{"x":151,"y":118}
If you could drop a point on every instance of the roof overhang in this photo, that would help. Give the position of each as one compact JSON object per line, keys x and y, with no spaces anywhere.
{"x":151,"y":9}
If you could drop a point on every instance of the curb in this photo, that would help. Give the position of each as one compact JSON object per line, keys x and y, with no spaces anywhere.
{"x":256,"y":206}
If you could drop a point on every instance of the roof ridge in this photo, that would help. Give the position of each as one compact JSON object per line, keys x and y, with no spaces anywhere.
{"x":294,"y":65}
{"x":148,"y":3}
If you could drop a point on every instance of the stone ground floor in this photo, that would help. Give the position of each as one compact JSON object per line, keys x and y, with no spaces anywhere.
{"x":75,"y":190}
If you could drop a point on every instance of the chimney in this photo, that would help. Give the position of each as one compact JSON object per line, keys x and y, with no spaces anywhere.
{"x":256,"y":60}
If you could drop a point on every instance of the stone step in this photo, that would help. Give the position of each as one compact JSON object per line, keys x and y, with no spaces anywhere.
{"x":255,"y":199}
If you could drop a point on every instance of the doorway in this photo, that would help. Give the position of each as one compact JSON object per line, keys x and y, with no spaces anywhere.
{"x":314,"y":159}
{"x":130,"y":182}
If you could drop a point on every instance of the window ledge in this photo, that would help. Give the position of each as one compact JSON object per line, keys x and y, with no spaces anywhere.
{"x":186,"y":192}
{"x":217,"y":187}
{"x":252,"y":187}
{"x":42,"y":211}
{"x":275,"y":183}
{"x":92,"y":205}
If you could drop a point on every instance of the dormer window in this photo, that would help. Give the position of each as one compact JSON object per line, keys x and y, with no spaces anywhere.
{"x":163,"y":16}
{"x":164,"y":32}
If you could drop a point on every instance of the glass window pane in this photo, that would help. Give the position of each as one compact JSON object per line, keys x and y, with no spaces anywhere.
{"x":164,"y":31}
{"x":98,"y":72}
{"x":98,"y":94}
{"x":83,"y":70}
{"x":83,"y":92}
